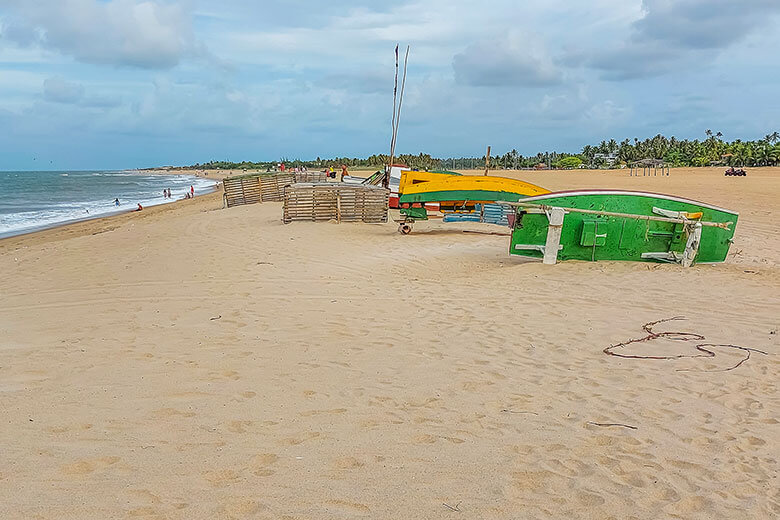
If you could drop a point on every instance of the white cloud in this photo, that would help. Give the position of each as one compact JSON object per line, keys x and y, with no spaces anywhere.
{"x":315,"y":78}
{"x":140,"y":33}
{"x":59,"y":90}
{"x":670,"y":35}
{"x":516,"y":59}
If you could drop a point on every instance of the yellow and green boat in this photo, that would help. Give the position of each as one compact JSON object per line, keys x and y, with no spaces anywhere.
{"x":621,"y":225}
{"x":420,"y":192}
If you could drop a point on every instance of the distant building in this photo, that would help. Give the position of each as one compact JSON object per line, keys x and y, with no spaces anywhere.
{"x":609,"y":158}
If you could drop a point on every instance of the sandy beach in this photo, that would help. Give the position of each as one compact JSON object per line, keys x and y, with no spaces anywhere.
{"x":190,"y":362}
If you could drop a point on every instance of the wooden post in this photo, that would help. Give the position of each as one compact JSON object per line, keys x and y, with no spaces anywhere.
{"x":554,"y":228}
{"x":692,"y":245}
{"x":338,"y":207}
{"x":482,"y":206}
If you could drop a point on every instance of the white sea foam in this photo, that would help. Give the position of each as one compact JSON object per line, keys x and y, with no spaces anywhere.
{"x":35,"y":200}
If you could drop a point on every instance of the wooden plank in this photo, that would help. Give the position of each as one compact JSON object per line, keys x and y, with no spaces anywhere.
{"x":692,"y":245}
{"x":554,"y":228}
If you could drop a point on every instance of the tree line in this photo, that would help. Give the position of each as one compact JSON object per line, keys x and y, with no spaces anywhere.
{"x":712,"y":150}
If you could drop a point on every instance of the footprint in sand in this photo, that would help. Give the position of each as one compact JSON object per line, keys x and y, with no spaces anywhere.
{"x":229,"y":375}
{"x":261,"y":464}
{"x":87,"y":466}
{"x":300,"y":439}
{"x":350,"y":506}
{"x":242,"y":508}
{"x":588,"y":500}
{"x":145,"y":494}
{"x":64,"y":429}
{"x":171,"y":412}
{"x":144,"y":512}
{"x":239,"y":426}
{"x":221,"y":477}
{"x":524,"y":481}
{"x":348,"y":463}
{"x":334,"y":411}
{"x":424,"y":438}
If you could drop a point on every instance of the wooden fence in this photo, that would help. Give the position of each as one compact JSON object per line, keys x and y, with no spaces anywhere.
{"x":311,"y":177}
{"x":263,"y":187}
{"x":251,"y":189}
{"x":321,"y":202}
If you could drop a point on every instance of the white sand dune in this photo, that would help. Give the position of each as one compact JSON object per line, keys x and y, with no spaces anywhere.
{"x":192,"y":362}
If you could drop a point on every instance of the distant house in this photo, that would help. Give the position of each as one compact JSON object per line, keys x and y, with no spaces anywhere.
{"x":609,"y":158}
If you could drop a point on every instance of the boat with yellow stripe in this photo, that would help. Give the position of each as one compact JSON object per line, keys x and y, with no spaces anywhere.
{"x":456,"y":193}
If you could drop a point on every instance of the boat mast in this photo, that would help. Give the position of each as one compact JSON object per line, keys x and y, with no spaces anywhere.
{"x":396,"y":112}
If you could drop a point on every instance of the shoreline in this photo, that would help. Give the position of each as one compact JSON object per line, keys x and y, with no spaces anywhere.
{"x":117,"y":213}
{"x":103,"y":224}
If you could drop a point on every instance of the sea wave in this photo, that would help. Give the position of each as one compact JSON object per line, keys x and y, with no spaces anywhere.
{"x":32,"y":207}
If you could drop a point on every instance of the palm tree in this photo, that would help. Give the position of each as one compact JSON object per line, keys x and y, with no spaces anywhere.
{"x":762,"y":153}
{"x":774,"y":154}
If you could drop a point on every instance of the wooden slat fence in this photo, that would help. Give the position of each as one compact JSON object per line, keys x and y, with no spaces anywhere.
{"x":321,"y":202}
{"x":251,"y":189}
{"x":311,"y":177}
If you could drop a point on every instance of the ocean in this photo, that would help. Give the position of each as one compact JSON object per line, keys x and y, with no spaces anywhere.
{"x":30,"y":201}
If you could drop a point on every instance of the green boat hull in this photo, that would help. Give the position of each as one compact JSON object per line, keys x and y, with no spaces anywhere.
{"x":591,"y":237}
{"x":472,"y":197}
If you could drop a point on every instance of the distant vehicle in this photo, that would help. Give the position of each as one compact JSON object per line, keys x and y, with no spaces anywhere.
{"x":739,"y":172}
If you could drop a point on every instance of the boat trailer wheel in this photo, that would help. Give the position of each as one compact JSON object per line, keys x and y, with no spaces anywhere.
{"x":405,"y":228}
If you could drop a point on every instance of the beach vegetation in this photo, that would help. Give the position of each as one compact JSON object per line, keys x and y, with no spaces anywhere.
{"x":713,"y":150}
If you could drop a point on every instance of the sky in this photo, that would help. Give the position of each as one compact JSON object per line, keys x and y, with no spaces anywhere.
{"x":92,"y":84}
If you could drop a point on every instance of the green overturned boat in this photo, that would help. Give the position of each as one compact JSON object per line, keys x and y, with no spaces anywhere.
{"x":621,"y":225}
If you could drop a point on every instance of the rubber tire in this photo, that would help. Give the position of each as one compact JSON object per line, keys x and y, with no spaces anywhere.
{"x":405,"y":229}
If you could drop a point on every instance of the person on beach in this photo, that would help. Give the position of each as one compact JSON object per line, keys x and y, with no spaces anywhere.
{"x":165,"y":194}
{"x":169,"y":192}
{"x":192,"y":192}
{"x":140,"y":207}
{"x":116,"y":202}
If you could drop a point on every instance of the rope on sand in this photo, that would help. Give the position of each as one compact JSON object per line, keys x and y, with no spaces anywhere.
{"x":704,"y":349}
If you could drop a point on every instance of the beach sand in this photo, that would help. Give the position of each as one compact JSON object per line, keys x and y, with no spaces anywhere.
{"x":192,"y":362}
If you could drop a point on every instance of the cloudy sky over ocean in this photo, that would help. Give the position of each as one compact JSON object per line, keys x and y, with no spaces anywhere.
{"x":134,"y":83}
